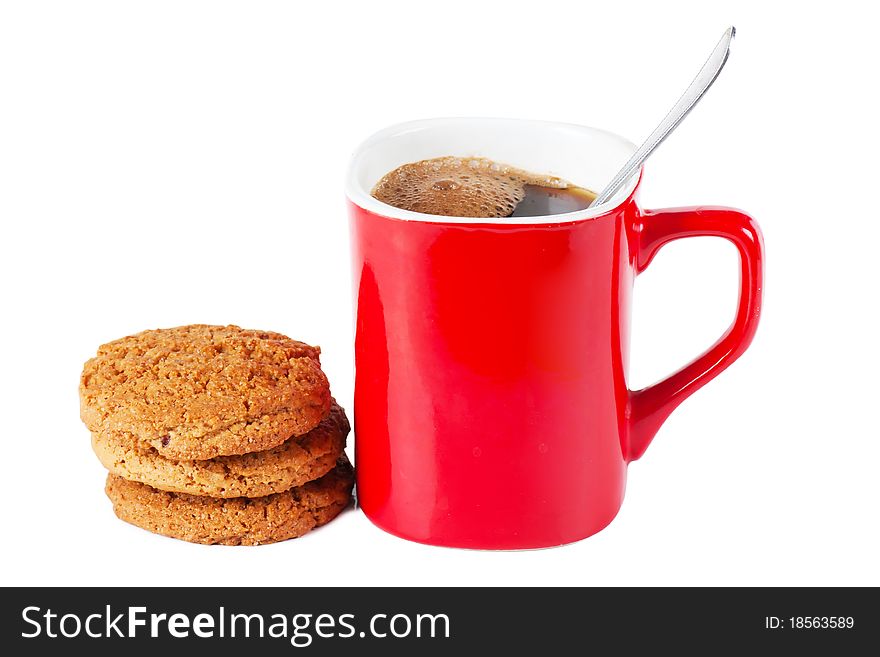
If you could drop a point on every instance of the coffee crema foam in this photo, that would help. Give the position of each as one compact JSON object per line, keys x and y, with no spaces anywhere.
{"x":460,"y":187}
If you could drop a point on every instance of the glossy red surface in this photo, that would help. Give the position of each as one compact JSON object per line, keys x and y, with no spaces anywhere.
{"x":491,"y":404}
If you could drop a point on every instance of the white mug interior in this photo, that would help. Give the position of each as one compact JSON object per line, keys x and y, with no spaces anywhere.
{"x":584,"y":156}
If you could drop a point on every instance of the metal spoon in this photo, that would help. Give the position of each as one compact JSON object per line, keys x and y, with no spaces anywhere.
{"x":685,"y":104}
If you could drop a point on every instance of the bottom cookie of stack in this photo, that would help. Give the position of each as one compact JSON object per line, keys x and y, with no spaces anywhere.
{"x":233,"y":521}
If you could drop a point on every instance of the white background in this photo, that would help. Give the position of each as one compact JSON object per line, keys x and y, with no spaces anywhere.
{"x":164,"y":163}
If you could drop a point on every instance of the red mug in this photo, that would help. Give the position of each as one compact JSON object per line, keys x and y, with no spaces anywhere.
{"x":491,"y":402}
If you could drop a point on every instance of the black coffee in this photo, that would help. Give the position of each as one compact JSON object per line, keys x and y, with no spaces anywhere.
{"x":540,"y":201}
{"x":480,"y":188}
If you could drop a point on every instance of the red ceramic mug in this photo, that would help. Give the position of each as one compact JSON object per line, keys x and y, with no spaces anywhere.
{"x":491,"y":401}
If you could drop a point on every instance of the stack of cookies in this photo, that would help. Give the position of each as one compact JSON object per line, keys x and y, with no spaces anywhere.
{"x":216,"y":434}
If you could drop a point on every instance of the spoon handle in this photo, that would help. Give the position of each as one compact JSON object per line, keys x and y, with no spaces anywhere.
{"x":685,"y":104}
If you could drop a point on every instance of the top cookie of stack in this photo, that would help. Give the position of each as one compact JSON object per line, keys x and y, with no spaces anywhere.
{"x":199,"y":392}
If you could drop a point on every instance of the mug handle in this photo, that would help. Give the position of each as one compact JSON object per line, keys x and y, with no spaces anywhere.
{"x":649,"y":407}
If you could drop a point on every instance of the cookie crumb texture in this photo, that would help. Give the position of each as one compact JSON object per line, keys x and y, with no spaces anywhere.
{"x":293,"y":463}
{"x":237,"y":521}
{"x":198,"y":392}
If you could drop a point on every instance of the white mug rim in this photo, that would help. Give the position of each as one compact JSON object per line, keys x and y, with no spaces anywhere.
{"x":362,"y":197}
